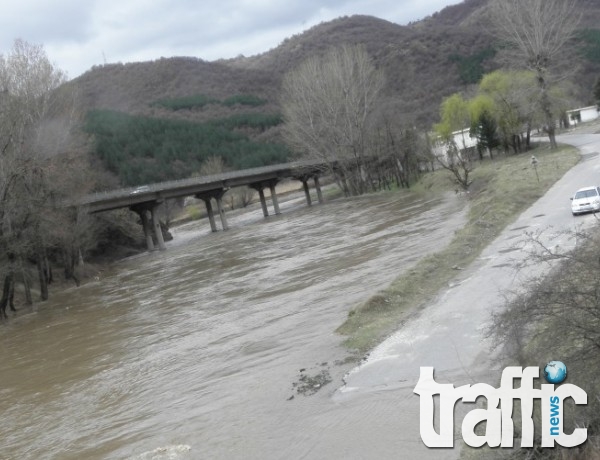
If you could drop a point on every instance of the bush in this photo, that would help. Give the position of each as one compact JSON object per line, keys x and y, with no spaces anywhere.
{"x":559,"y":318}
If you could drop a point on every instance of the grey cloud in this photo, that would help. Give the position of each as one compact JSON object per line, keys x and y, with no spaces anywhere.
{"x":81,"y":33}
{"x":42,"y":22}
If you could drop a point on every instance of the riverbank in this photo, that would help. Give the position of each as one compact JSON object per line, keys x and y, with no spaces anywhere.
{"x":451,"y":332}
{"x":225,"y":343}
{"x":502,"y":188}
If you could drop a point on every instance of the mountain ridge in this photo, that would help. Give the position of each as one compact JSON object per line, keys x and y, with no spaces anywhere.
{"x":424,"y":62}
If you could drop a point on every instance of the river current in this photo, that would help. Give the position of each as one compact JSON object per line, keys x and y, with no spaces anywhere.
{"x":223,"y":346}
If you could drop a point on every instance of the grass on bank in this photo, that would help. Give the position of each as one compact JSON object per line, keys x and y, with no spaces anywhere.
{"x":502,"y":188}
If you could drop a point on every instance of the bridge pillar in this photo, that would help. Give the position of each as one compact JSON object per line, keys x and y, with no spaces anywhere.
{"x":306,"y":192}
{"x":142,"y":211}
{"x":318,"y":188}
{"x":260,"y":188}
{"x":210,"y":212}
{"x":218,"y":196}
{"x":221,"y":209}
{"x":274,"y":197}
{"x":147,"y":231}
{"x":157,"y":229}
{"x":304,"y":178}
{"x":263,"y":202}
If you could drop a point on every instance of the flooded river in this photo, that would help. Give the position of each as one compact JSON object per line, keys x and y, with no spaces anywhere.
{"x":199,"y":351}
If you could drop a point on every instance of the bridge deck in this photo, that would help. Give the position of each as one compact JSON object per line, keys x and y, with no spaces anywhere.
{"x":157,"y":192}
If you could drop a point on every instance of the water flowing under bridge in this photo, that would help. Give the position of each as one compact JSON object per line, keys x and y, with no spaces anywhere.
{"x":145,"y":199}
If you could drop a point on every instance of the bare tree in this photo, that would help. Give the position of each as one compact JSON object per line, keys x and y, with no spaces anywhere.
{"x":327,"y":105}
{"x":458,"y":162}
{"x":37,"y":114}
{"x":537,"y":31}
{"x":240,"y":197}
{"x":212,"y":165}
{"x":398,"y":153}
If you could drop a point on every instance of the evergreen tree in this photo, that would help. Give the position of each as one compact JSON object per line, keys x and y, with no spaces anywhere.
{"x":486,"y":132}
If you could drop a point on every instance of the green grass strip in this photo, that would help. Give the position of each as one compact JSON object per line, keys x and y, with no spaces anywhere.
{"x":502,"y":189}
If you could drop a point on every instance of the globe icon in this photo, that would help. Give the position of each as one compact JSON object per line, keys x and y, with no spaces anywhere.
{"x":555,"y":372}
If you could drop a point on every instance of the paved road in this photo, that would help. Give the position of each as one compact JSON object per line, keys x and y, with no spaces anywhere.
{"x":448,"y":334}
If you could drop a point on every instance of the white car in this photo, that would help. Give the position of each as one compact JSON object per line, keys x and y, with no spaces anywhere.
{"x":140,"y":189}
{"x":586,"y":200}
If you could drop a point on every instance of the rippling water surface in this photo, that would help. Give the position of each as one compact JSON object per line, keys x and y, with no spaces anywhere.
{"x":194,"y":352}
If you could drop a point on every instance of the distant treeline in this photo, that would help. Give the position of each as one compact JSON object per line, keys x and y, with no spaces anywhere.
{"x":198,"y":101}
{"x":142,"y":150}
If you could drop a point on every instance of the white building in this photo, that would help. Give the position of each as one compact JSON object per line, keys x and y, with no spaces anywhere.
{"x":462,"y":139}
{"x":582,"y":115}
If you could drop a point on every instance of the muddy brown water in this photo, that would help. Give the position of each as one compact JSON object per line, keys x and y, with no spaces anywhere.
{"x":199,"y":351}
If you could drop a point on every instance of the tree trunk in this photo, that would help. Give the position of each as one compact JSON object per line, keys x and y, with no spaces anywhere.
{"x":11,"y":293}
{"x":7,"y":294}
{"x":552,"y":137}
{"x":4,"y":300}
{"x":43,"y":277}
{"x":546,"y":109}
{"x":398,"y":173}
{"x":48,"y":269}
{"x":69,"y":259}
{"x":26,"y":285}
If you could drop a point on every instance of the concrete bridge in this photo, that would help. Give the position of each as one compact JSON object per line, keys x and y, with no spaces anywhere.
{"x":145,"y":199}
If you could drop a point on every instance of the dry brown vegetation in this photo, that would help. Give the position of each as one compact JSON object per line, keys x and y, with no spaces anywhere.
{"x":557,"y":316}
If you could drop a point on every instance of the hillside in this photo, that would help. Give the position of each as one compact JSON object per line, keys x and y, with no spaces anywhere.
{"x":424,"y":62}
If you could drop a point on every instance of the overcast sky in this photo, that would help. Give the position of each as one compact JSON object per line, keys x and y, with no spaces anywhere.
{"x":78,"y":34}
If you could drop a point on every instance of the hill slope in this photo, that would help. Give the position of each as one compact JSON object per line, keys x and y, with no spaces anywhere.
{"x":424,"y":62}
